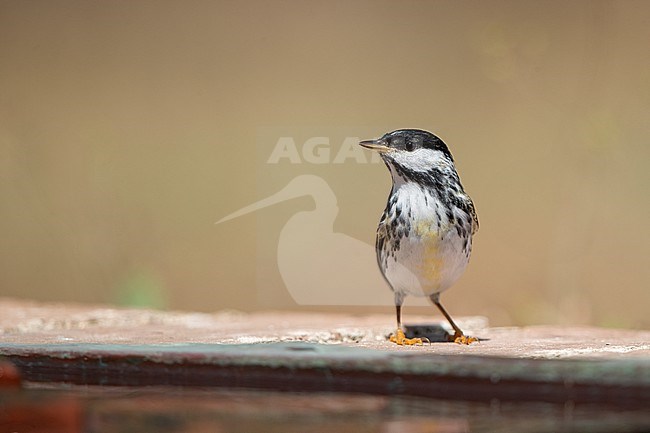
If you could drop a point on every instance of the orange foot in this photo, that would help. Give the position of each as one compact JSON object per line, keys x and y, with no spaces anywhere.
{"x":460,"y":338}
{"x":399,"y":338}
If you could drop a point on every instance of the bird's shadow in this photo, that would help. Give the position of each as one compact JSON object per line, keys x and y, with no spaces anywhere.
{"x":433,"y":332}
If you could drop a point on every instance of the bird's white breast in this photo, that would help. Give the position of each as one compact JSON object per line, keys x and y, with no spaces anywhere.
{"x":431,"y":254}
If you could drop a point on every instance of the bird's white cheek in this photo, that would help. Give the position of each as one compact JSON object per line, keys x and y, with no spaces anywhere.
{"x":421,"y":160}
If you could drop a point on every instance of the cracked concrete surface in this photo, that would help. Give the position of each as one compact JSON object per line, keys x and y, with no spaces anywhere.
{"x":25,"y":322}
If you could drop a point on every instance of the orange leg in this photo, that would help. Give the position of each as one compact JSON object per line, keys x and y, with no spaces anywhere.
{"x":398,"y":337}
{"x":458,"y":336}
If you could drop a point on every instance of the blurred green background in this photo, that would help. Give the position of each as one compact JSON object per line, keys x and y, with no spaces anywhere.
{"x":127,"y":128}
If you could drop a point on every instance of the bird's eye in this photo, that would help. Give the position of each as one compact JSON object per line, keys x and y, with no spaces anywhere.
{"x":409,"y":145}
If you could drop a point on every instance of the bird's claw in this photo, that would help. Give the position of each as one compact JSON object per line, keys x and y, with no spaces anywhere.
{"x":460,"y":338}
{"x":399,"y":338}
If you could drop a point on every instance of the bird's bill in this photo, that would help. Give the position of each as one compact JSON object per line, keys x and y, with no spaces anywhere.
{"x":379,"y":145}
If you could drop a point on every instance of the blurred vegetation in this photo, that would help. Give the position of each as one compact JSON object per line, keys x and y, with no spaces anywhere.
{"x":141,"y":289}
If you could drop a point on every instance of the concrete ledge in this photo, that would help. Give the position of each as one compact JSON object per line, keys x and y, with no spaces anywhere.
{"x":318,"y":352}
{"x":314,"y":367}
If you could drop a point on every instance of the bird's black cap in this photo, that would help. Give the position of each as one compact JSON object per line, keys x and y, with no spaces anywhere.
{"x":408,"y":140}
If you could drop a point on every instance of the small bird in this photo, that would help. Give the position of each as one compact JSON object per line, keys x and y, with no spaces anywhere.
{"x":424,"y":237}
